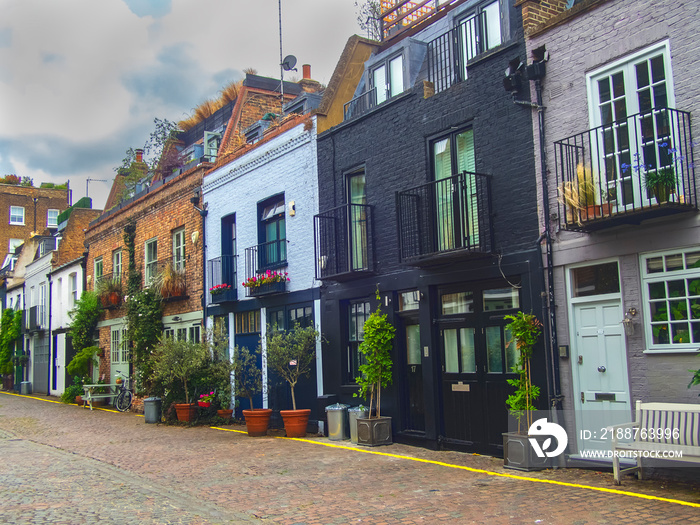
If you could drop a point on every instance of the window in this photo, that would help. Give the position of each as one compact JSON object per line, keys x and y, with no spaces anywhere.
{"x":628,"y":98}
{"x":72,"y":289}
{"x":596,"y":279}
{"x":119,"y":346}
{"x":194,"y":334}
{"x":456,"y":201}
{"x":671,"y":289}
{"x":272,"y":253}
{"x":211,"y":145}
{"x":358,"y":312}
{"x":151,"y":260}
{"x":498,"y":299}
{"x":247,"y":322}
{"x":409,"y":301}
{"x":480,"y":31}
{"x":117,"y":265}
{"x":357,"y":199}
{"x":42,"y":305}
{"x":98,"y":269}
{"x":17,"y":215}
{"x":303,"y":316}
{"x":52,"y":218}
{"x":14,"y":244}
{"x":387,"y":79}
{"x":179,"y":250}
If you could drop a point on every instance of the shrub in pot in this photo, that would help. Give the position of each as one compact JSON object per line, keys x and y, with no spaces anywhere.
{"x":375,"y":374}
{"x":292,"y":355}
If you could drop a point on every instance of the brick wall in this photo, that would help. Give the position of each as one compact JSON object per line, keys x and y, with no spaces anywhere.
{"x":538,"y":12}
{"x":157,"y":214}
{"x":23,"y":196}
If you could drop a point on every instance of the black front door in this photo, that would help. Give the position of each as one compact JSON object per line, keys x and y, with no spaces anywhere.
{"x":476,"y":357}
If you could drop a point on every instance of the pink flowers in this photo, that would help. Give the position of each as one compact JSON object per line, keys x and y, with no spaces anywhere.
{"x":268,"y":277}
{"x":207,"y":398}
{"x":219,"y":288}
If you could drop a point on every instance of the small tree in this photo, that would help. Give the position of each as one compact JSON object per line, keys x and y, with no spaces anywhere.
{"x":526,"y":329}
{"x":291,"y":354}
{"x":177,"y":361}
{"x":376,"y":348}
{"x":84,"y":318}
{"x":246,"y":374}
{"x":79,"y":366}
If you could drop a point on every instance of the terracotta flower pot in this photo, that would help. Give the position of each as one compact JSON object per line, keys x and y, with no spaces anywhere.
{"x":226,"y":413}
{"x":295,"y":422}
{"x":186,"y":412}
{"x":79,"y":400}
{"x":257,"y":421}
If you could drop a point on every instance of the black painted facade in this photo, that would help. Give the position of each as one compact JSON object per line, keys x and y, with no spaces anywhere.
{"x":392,"y":144}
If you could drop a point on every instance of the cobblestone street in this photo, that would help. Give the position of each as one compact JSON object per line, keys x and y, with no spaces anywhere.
{"x":64,"y":464}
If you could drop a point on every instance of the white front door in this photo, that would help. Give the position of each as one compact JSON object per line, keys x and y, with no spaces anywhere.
{"x":119,"y":352}
{"x":599,"y":364}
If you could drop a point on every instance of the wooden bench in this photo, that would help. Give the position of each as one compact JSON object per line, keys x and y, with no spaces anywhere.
{"x":668,"y":431}
{"x":99,"y":391}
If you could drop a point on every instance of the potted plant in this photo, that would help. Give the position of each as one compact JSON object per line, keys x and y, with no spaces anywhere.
{"x":517,"y":453}
{"x":375,"y":374}
{"x":248,"y":383}
{"x":292,"y":355}
{"x":174,"y":363}
{"x":268,"y":282}
{"x":580,"y":198}
{"x":205,"y":400}
{"x":218,"y":289}
{"x":660,"y":183}
{"x":110,"y":291}
{"x":170,"y":282}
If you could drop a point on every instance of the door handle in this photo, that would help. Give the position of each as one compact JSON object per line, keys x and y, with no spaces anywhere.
{"x":601,"y":368}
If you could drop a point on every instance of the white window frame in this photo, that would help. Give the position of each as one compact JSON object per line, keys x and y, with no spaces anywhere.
{"x":117,"y":265}
{"x":72,"y":289}
{"x":98,"y":266}
{"x":179,"y":250}
{"x":471,"y":28}
{"x":150,"y":265}
{"x":42,"y":305}
{"x":394,"y":83}
{"x":52,"y":213}
{"x":666,"y":276}
{"x":15,"y":212}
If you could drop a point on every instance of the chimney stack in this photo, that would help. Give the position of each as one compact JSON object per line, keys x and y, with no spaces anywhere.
{"x":306,"y":68}
{"x":139,"y":155}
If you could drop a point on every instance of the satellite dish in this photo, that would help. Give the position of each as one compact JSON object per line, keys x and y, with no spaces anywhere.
{"x":289,"y":62}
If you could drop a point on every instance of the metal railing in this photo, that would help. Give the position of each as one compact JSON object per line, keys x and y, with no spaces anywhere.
{"x":266,"y":256}
{"x":449,"y":53}
{"x":343,"y":241}
{"x":222,"y":271}
{"x":360,"y":104}
{"x":399,"y":15}
{"x":606,"y":175}
{"x":447,"y":215}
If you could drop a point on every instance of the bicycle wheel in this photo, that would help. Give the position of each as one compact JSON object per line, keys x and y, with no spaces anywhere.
{"x":123,"y":401}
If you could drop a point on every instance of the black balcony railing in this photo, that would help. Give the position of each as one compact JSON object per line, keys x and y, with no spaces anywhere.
{"x":36,"y":318}
{"x":343,"y":241}
{"x":361,"y":104}
{"x":266,"y":256}
{"x":222,"y":274}
{"x":451,"y":215}
{"x":449,"y":53}
{"x":607,"y":176}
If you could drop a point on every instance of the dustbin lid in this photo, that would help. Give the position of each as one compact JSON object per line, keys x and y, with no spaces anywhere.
{"x":337,"y":406}
{"x":151,"y":399}
{"x":360,"y":408}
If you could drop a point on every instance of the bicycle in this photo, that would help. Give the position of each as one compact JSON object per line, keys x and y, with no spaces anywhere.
{"x":124,"y":397}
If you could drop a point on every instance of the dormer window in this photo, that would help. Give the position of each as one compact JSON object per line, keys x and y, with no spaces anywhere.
{"x":387,"y":78}
{"x":480,"y":30}
{"x":211,"y":145}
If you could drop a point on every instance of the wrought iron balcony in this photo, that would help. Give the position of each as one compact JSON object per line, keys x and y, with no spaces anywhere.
{"x":447,"y":217}
{"x":222,"y":274}
{"x":449,"y":53}
{"x":266,"y":256}
{"x":361,"y":104}
{"x":343,"y":242}
{"x":626,"y":171}
{"x":36,"y":318}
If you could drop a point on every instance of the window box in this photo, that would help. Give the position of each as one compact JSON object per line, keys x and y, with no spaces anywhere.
{"x":267,"y":289}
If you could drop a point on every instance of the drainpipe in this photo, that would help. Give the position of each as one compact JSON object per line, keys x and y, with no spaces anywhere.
{"x":48,"y":277}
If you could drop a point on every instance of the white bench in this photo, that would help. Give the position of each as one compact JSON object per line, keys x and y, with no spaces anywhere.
{"x":99,"y":391}
{"x":670,"y":429}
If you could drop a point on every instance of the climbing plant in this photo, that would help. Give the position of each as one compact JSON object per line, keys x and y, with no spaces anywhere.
{"x":84,"y":318}
{"x":9,"y":332}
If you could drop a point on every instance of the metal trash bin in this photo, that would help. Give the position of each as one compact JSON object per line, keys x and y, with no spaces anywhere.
{"x":353,"y":414}
{"x":337,"y":416}
{"x":151,"y":409}
{"x":25,"y":388}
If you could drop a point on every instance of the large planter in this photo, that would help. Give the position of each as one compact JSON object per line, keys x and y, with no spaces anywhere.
{"x":374,"y":432}
{"x":225,"y":413}
{"x":519,"y":455}
{"x":186,"y":412}
{"x":295,"y":422}
{"x":257,"y":421}
{"x":268,"y":289}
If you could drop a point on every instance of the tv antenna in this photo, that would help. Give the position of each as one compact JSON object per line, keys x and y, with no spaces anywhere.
{"x":87,"y":184}
{"x":287,"y":63}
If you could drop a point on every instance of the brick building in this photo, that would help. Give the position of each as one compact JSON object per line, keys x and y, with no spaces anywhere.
{"x":620,"y":95}
{"x":426,"y":193}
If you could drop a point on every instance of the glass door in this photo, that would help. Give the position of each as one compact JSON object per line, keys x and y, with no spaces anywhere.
{"x":357,"y":198}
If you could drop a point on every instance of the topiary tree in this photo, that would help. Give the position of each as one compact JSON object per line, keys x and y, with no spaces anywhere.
{"x":376,"y":348}
{"x":292,"y":354}
{"x":247,"y":378}
{"x":526,"y":330}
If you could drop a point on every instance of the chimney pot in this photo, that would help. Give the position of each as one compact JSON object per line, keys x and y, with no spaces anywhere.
{"x":139,"y":155}
{"x":307,"y":71}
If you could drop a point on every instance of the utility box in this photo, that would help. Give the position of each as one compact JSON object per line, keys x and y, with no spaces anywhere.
{"x":25,"y":388}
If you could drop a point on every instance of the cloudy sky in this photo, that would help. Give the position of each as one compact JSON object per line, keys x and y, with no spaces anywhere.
{"x":82,"y":80}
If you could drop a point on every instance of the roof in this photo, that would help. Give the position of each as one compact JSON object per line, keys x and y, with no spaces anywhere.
{"x":271,"y":84}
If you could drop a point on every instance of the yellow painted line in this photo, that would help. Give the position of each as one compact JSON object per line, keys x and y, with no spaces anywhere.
{"x":229,"y":430}
{"x":62,"y":403}
{"x":491,"y":473}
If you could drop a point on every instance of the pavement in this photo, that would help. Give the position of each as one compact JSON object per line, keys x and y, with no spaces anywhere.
{"x":65,"y":464}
